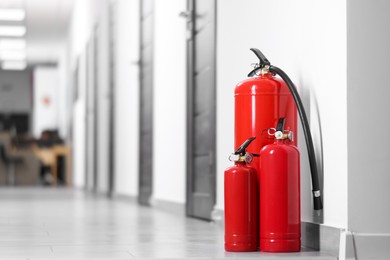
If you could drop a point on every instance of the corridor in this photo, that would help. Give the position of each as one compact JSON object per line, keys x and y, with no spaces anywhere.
{"x":118,"y":117}
{"x":68,"y":224}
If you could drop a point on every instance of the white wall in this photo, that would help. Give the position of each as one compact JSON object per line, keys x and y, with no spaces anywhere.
{"x":103,"y":96}
{"x":79,"y":125}
{"x":63,"y":113}
{"x":86,"y":14}
{"x":46,"y":99}
{"x":308,"y":40}
{"x":368,"y":107}
{"x":169,"y":116}
{"x":80,"y":28}
{"x":127,"y":98}
{"x":169,"y":150}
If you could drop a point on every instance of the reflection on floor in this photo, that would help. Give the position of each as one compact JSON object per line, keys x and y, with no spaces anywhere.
{"x":69,"y":224}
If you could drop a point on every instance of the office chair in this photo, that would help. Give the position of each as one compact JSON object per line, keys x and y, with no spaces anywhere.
{"x":10,"y":162}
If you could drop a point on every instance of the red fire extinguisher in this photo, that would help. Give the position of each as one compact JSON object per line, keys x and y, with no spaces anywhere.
{"x":241,"y":202}
{"x":260,"y":101}
{"x":280,"y":218}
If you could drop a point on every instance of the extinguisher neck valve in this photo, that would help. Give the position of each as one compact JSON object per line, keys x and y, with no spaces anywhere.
{"x":234,"y":157}
{"x":247,"y":158}
{"x":264,"y":70}
{"x":279,"y":135}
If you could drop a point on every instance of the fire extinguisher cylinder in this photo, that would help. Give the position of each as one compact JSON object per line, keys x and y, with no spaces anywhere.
{"x":265,"y":65}
{"x":279,"y":207}
{"x":241,"y":203}
{"x":259,"y":102}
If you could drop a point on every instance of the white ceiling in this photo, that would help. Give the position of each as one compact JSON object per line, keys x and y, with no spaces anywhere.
{"x":47,"y":22}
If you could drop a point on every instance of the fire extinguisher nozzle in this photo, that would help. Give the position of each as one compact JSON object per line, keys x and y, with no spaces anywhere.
{"x":317,"y":201}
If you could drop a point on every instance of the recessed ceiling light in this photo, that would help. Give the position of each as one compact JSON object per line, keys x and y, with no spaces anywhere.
{"x":12,"y":14}
{"x":12,"y":30}
{"x":14,"y":65}
{"x":12,"y":44}
{"x":13,"y":55}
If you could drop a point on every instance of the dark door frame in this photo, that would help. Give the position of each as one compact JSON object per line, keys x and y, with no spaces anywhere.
{"x":144,"y":196}
{"x":87,"y":115}
{"x":112,"y":87}
{"x":95,"y":107}
{"x":191,"y":28}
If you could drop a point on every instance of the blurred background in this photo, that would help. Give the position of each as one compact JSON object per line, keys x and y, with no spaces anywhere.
{"x":78,"y":103}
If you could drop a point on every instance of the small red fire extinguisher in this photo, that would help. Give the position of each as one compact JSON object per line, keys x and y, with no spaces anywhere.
{"x":241,"y":202}
{"x":280,"y":218}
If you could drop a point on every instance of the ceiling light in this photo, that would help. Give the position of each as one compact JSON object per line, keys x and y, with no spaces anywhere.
{"x":13,"y":55}
{"x":12,"y":14}
{"x":14,"y":65}
{"x":9,"y":30}
{"x":12,"y":44}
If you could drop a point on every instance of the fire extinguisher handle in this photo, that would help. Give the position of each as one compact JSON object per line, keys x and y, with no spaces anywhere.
{"x":242,"y":149}
{"x":262,"y":59}
{"x":280,"y":125}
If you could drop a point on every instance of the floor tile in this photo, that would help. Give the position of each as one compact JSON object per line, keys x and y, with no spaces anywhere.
{"x":72,"y":224}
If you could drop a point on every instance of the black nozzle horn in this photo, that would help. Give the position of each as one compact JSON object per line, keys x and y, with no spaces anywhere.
{"x":280,"y":125}
{"x":262,"y":61}
{"x":242,"y":149}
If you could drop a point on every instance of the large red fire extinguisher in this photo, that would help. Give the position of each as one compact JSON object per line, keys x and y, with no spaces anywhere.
{"x":260,"y":101}
{"x":279,"y":208}
{"x":241,"y":201}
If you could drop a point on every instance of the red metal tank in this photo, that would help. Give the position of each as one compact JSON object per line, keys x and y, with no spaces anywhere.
{"x":241,"y":217}
{"x":241,"y":204}
{"x":280,"y":215}
{"x":259,"y":103}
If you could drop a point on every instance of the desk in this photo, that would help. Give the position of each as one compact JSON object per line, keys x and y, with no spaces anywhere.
{"x":48,"y":156}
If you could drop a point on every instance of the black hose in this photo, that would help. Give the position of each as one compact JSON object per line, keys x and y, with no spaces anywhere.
{"x":309,"y":141}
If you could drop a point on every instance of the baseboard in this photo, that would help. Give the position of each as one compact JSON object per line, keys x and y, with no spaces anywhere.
{"x":127,"y":198}
{"x":168,"y":206}
{"x":96,"y":193}
{"x":365,"y":246}
{"x":320,"y":237}
{"x":114,"y":196}
{"x":217,"y":215}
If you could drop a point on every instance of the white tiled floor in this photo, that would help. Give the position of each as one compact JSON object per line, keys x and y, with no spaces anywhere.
{"x":69,"y":224}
